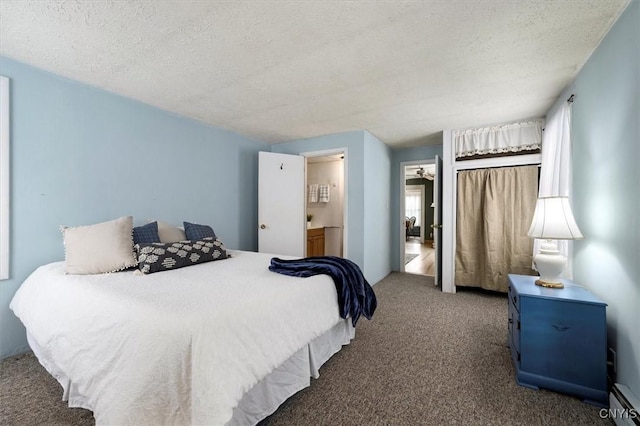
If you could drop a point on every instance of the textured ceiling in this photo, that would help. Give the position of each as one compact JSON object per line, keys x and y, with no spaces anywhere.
{"x":285,"y":70}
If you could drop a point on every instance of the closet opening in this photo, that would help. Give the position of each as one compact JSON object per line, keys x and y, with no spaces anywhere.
{"x":494,"y":210}
{"x":488,"y":203}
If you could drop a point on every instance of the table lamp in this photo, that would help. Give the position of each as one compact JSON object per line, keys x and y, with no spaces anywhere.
{"x":552,"y":220}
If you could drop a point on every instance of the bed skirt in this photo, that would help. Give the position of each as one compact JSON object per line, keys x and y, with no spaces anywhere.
{"x":267,"y":395}
{"x":292,"y":376}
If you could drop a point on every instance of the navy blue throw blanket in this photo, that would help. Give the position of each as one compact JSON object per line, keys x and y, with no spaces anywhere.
{"x":355,"y":295}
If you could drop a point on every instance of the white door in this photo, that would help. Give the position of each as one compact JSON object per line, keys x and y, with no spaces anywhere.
{"x":437,"y":221}
{"x":281,"y":204}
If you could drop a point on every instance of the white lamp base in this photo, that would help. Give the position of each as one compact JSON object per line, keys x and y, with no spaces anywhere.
{"x":550,"y":264}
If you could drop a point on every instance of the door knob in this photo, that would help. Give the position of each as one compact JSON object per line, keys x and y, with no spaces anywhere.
{"x":263,"y":226}
{"x":436,"y":225}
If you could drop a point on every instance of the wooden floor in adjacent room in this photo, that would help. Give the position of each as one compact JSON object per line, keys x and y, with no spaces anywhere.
{"x":423,"y":263}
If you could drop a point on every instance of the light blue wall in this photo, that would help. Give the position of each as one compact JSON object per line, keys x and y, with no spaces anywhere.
{"x":427,"y":152}
{"x":353,"y":141}
{"x":81,"y":155}
{"x":377,"y":208}
{"x":606,"y":184}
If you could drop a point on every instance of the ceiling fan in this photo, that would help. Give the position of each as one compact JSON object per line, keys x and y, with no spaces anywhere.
{"x":424,"y":173}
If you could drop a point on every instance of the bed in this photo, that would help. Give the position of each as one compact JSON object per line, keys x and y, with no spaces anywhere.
{"x":216,"y":343}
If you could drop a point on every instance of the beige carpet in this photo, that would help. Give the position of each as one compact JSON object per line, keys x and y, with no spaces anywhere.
{"x":427,"y":358}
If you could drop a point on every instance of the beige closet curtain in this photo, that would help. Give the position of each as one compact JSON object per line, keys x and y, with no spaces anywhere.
{"x":494,"y":211}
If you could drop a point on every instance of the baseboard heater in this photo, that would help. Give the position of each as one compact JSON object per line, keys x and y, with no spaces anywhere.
{"x":624,"y":406}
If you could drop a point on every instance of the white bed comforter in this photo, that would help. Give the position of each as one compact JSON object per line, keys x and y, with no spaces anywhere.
{"x":177,"y":347}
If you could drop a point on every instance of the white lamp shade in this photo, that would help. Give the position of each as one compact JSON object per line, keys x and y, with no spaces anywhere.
{"x":553,"y":220}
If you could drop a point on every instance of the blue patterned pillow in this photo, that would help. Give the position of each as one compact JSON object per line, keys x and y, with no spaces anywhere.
{"x":198,"y":232}
{"x":146,"y":233}
{"x":157,"y":257}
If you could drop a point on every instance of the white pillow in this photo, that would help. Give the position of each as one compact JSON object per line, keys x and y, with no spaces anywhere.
{"x":169,"y":233}
{"x":103,"y":247}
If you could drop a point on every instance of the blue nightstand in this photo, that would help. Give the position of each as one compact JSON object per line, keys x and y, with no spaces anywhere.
{"x":558,"y":339}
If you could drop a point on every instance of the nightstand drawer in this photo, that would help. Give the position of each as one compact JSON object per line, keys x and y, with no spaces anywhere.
{"x":514,"y":331}
{"x":515,"y":354}
{"x":514,"y":325}
{"x":514,"y":299}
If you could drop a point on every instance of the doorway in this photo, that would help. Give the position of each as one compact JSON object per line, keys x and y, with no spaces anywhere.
{"x":417,"y":208}
{"x":325,"y":176}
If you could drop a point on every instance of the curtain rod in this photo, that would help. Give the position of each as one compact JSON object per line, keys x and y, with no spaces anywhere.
{"x":570,"y":100}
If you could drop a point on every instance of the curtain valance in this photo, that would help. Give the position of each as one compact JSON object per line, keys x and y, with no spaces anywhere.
{"x":514,"y":137}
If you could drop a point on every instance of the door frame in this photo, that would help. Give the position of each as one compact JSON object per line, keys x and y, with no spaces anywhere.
{"x":401,"y":224}
{"x":345,"y":198}
{"x":5,"y":175}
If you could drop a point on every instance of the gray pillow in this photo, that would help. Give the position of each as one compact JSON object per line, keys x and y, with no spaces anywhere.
{"x":157,"y":257}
